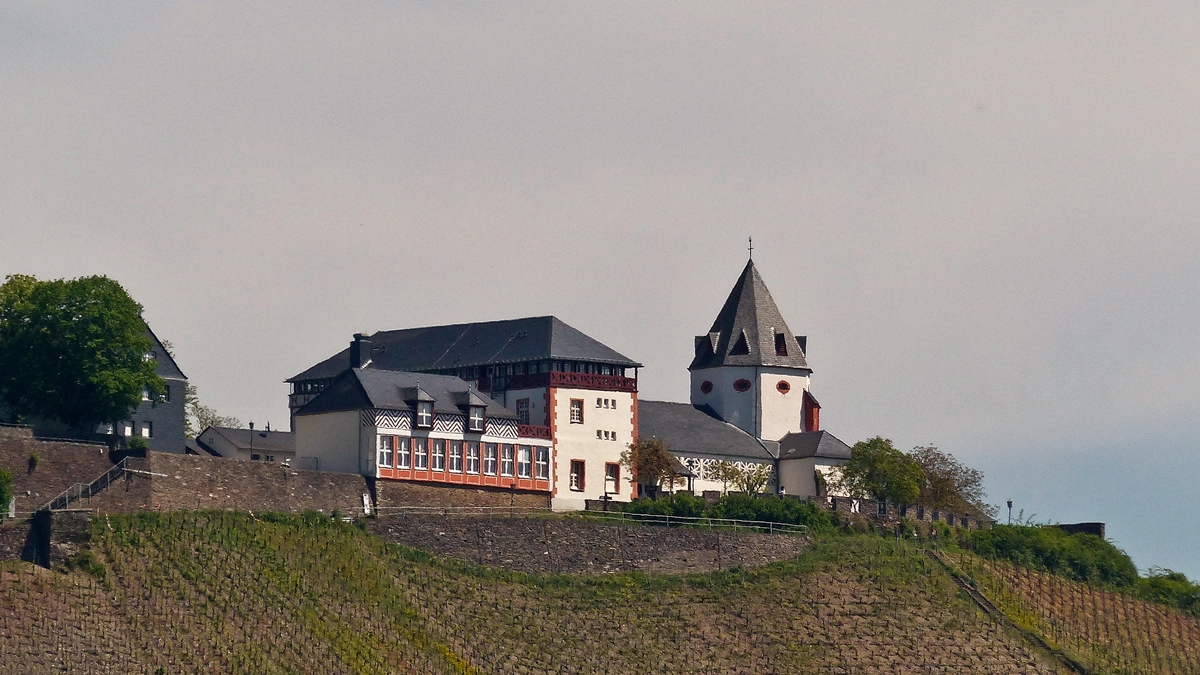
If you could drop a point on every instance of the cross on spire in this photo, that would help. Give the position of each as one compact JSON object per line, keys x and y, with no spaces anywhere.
{"x":752,"y":248}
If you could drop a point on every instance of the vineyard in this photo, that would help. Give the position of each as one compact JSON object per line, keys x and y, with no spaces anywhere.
{"x":223,"y":592}
{"x":1107,"y":631}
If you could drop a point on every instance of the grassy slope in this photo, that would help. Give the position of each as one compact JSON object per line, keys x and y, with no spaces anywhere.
{"x":222,"y":592}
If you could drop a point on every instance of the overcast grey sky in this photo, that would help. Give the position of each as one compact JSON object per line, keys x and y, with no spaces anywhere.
{"x":984,"y":215}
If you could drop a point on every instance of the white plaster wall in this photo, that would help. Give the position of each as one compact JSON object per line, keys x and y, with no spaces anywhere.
{"x":736,"y":408}
{"x":797,"y":476}
{"x":537,"y":404}
{"x":700,"y":484}
{"x":332,"y":438}
{"x":781,"y":413}
{"x":578,"y":441}
{"x":762,"y":411}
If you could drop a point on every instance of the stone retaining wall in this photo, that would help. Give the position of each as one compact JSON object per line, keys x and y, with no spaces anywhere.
{"x":400,"y":493}
{"x":569,"y":545}
{"x":60,"y":465}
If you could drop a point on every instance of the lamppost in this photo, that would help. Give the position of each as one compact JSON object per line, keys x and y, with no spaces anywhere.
{"x":1010,"y":512}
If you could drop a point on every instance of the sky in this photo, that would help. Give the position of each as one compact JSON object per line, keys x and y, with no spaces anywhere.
{"x":983,"y":215}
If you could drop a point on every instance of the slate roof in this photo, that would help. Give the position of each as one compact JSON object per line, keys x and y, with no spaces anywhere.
{"x":164,"y":367}
{"x":360,"y":389}
{"x":266,"y":441}
{"x":744,"y":332}
{"x":820,"y":444}
{"x":693,"y":431}
{"x":474,"y":344}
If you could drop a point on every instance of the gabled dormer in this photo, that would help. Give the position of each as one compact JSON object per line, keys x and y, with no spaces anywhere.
{"x":474,"y":407}
{"x":422,"y":405}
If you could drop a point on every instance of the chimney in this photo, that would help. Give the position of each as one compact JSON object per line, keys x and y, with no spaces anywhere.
{"x":360,"y":351}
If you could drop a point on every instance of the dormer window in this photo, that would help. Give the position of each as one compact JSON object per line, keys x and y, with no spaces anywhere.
{"x":424,"y":414}
{"x":475,"y":418}
{"x":781,"y":344}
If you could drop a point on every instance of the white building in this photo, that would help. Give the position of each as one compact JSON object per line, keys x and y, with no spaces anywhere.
{"x":263,"y":445}
{"x":750,"y":399}
{"x":556,"y":387}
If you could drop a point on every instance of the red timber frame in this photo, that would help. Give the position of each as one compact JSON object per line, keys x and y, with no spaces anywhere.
{"x":479,"y":479}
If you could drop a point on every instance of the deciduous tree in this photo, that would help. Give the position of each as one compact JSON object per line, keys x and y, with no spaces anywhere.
{"x":950,"y":485}
{"x":199,"y":417}
{"x":650,"y":462}
{"x":73,"y":350}
{"x":878,"y":470}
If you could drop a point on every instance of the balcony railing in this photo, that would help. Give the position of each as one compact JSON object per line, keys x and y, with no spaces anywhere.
{"x":573,"y":380}
{"x":530,"y":431}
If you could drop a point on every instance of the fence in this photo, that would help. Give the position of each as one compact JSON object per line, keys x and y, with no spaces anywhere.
{"x":80,"y":491}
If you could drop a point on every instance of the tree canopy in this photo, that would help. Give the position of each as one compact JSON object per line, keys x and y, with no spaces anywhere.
{"x":877,"y":469}
{"x":73,"y":350}
{"x":650,"y":462}
{"x":950,"y":485}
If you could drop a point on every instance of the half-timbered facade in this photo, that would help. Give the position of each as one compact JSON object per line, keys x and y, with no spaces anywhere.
{"x":565,"y":391}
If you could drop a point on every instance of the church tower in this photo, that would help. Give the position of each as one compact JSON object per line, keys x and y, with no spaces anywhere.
{"x":750,"y":370}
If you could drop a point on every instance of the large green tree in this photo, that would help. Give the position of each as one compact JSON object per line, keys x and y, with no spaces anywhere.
{"x":878,"y":470}
{"x":73,"y":350}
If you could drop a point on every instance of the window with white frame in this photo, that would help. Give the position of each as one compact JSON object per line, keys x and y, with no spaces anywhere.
{"x":489,"y":459}
{"x":145,"y":394}
{"x":475,"y":418}
{"x":403,"y":456}
{"x":439,"y":454}
{"x":524,"y":461}
{"x":473,"y":457}
{"x":543,"y":462}
{"x":612,"y":478}
{"x":127,"y":429}
{"x":577,"y":475}
{"x":522,"y":411}
{"x":387,"y":445}
{"x":424,"y":414}
{"x":576,"y":411}
{"x":456,"y":456}
{"x":506,"y":460}
{"x":147,"y":429}
{"x":421,"y":453}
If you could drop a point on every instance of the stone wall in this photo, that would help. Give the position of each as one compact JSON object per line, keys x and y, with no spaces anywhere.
{"x":571,"y":545}
{"x":60,"y":465}
{"x":851,"y":509}
{"x":400,"y":493}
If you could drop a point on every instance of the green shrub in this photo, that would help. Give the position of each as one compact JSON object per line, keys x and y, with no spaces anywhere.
{"x":1082,"y":557}
{"x":1170,"y":588}
{"x":6,"y":491}
{"x":86,"y":561}
{"x":765,"y":508}
{"x":137,"y":443}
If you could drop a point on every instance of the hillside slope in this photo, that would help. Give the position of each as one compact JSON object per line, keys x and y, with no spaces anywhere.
{"x":225,"y":592}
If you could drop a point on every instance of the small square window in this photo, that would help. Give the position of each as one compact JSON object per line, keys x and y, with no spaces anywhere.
{"x":424,"y":414}
{"x":599,"y":400}
{"x":254,"y":458}
{"x":475,"y":421}
{"x":599,"y":434}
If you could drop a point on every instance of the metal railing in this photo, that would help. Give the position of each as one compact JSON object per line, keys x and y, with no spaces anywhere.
{"x":80,"y":491}
{"x":607,"y":516}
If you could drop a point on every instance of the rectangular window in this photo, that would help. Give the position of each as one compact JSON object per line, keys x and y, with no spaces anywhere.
{"x":599,"y":400}
{"x":577,"y":475}
{"x":612,"y":478}
{"x":147,"y":429}
{"x":424,"y":414}
{"x":254,"y":458}
{"x":475,"y":421}
{"x":167,"y":393}
{"x":403,"y":457}
{"x":576,"y":411}
{"x":386,"y":446}
{"x":456,"y":456}
{"x":522,"y":411}
{"x":473,"y":457}
{"x":270,"y":458}
{"x":489,"y":459}
{"x":126,"y":429}
{"x":506,"y":460}
{"x":421,"y":453}
{"x":524,"y":461}
{"x":600,"y":434}
{"x":145,"y":394}
{"x":543,"y":463}
{"x":439,"y":454}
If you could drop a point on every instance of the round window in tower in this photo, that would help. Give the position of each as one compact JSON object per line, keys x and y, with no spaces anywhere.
{"x":706,"y":387}
{"x":783,"y":387}
{"x":742,"y":385}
